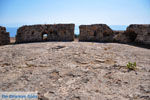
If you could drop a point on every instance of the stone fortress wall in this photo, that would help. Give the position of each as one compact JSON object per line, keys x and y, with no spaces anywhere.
{"x":135,"y":33}
{"x":4,"y":36}
{"x":37,"y":33}
{"x":95,"y":32}
{"x":142,"y":33}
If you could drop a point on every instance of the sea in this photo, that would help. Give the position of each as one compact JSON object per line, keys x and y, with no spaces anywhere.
{"x":13,"y":30}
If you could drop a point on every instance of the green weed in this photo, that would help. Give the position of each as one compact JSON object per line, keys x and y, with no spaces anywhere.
{"x":131,"y":66}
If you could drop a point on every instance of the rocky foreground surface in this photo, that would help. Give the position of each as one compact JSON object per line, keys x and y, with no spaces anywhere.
{"x":76,"y":70}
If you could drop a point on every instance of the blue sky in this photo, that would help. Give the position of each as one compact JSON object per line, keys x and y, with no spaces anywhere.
{"x":112,"y":12}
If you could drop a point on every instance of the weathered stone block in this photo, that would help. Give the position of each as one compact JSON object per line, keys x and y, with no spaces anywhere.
{"x":95,"y":32}
{"x":141,"y":33}
{"x":124,"y":37}
{"x":4,"y":36}
{"x":37,"y":33}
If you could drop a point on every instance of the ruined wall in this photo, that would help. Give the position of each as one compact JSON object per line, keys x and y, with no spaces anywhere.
{"x":134,"y":33}
{"x":36,"y":33}
{"x":4,"y":36}
{"x":124,"y":37}
{"x":141,"y":33}
{"x":95,"y":32}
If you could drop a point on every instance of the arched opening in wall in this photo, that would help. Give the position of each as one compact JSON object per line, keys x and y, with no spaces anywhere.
{"x":44,"y":36}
